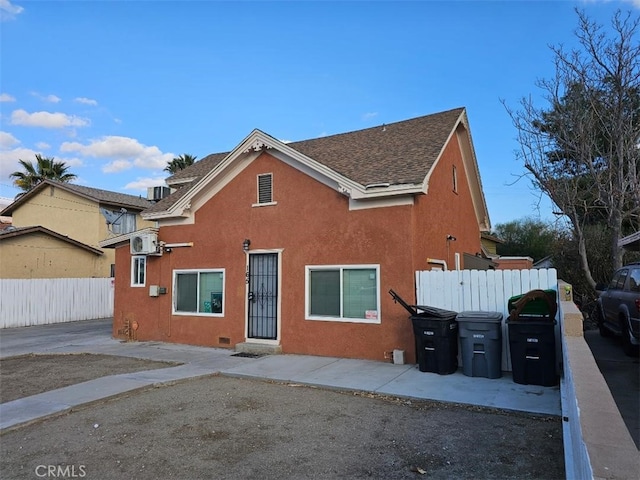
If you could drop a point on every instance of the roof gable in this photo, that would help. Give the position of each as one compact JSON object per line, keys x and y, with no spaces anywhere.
{"x":385,"y":161}
{"x":94,"y":194}
{"x":12,"y":232}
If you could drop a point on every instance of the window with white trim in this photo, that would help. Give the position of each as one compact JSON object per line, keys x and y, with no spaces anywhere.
{"x":138,"y":270}
{"x":198,"y":292}
{"x":345,"y":293}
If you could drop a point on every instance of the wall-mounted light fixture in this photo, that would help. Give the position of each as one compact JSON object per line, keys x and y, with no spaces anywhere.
{"x":246,"y":244}
{"x":451,"y":238}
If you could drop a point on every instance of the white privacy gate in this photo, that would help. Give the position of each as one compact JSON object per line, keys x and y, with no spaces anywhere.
{"x":483,"y":290}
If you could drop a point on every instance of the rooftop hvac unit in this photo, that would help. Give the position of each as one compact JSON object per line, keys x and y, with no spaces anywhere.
{"x":144,"y":244}
{"x":157,"y":193}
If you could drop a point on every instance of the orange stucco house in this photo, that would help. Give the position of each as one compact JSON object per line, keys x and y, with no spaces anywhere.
{"x":293,"y":247}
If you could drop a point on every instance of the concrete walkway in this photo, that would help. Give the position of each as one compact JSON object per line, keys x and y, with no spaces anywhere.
{"x":358,"y":375}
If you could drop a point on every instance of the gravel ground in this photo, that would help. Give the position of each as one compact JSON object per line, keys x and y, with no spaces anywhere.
{"x":228,"y":428}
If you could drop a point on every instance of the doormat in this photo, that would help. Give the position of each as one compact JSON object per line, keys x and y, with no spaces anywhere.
{"x":248,"y":355}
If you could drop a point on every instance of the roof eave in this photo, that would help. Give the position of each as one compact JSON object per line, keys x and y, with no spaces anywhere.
{"x":125,"y":237}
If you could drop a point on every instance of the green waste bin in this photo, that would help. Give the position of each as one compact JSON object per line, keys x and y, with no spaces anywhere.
{"x":532,"y":339}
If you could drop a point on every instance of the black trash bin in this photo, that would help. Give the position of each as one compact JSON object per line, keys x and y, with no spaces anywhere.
{"x":532,"y":339}
{"x":436,"y":337}
{"x":481,"y":343}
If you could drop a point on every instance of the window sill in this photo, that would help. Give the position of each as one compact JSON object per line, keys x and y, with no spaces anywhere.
{"x":266,"y":204}
{"x":198,"y":314}
{"x":373,"y":321}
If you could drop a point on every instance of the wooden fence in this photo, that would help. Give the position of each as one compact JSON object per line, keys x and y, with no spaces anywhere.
{"x":485,"y":291}
{"x":41,"y":301}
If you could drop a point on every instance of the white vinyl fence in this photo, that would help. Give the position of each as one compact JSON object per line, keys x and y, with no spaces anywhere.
{"x":483,"y":290}
{"x":41,"y":301}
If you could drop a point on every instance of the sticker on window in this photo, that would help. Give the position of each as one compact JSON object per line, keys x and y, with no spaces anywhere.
{"x":371,"y":314}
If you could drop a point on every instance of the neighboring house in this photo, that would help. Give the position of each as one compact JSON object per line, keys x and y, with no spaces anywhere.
{"x":5,"y":222}
{"x":545,"y":262}
{"x":490,"y":245}
{"x":294,"y":247}
{"x":630,"y":242}
{"x":56,"y":228}
{"x":37,"y":252}
{"x":514,"y":263}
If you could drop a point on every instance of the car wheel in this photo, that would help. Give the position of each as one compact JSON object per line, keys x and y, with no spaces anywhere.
{"x":629,"y":349}
{"x":604,"y":331}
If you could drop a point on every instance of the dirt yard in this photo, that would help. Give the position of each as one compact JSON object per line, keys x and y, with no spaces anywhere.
{"x":28,"y":375}
{"x":229,"y":428}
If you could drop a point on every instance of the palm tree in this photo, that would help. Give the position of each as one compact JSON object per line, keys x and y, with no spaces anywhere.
{"x":179,"y":163}
{"x":45,"y":168}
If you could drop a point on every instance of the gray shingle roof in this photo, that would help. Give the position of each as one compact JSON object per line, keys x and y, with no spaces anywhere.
{"x":397,"y":153}
{"x":95,"y":194}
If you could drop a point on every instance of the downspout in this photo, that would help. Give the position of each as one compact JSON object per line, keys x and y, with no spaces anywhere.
{"x":438,"y":262}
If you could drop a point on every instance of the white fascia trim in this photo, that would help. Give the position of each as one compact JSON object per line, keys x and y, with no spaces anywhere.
{"x":394,"y":201}
{"x":472,"y":173}
{"x":340,"y":183}
{"x":125,"y":237}
{"x":444,"y":145}
{"x":180,"y":181}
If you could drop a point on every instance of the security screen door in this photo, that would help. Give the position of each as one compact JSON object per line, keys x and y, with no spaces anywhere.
{"x":263,"y":296}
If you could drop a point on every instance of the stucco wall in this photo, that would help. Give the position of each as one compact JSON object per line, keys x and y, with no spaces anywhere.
{"x":310,"y":225}
{"x":65,"y":213}
{"x":444,"y":212}
{"x":42,"y":256}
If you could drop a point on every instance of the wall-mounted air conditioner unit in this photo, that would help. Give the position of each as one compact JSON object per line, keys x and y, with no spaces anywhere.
{"x":144,"y":244}
{"x":156,"y":194}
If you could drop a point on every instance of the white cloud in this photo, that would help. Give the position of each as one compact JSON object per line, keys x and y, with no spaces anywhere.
{"x":86,"y":101}
{"x":635,"y":3}
{"x":116,"y":166}
{"x":124,"y":153}
{"x":9,"y":161}
{"x":141,"y":184}
{"x":43,"y":146}
{"x":7,"y":140}
{"x":46,"y":98}
{"x":5,"y":97}
{"x":369,"y":115}
{"x":71,"y":161}
{"x":47,"y":119}
{"x":8,"y":11}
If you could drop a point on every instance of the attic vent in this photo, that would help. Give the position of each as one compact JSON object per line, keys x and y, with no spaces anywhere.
{"x":265,"y":193}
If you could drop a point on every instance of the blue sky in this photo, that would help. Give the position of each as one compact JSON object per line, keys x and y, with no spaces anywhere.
{"x":117,"y":88}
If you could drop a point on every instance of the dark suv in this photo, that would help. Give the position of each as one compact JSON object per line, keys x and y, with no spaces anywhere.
{"x":618,"y":311}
